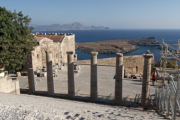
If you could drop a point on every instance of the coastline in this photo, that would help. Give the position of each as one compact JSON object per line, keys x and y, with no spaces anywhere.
{"x":109,"y":48}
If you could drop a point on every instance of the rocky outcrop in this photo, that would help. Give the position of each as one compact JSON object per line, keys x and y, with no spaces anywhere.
{"x":150,"y":41}
{"x":105,"y":47}
{"x":114,"y":46}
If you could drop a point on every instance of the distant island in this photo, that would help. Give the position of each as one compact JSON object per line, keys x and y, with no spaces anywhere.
{"x":114,"y":46}
{"x":62,"y":27}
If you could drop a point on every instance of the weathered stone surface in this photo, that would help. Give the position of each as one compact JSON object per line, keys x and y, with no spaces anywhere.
{"x":132,"y":64}
{"x":119,"y":61}
{"x":57,"y":44}
{"x":50,"y":80}
{"x":119,"y":75}
{"x":106,"y":83}
{"x":31,"y":80}
{"x":146,"y":79}
{"x":71,"y":87}
{"x":93,"y":91}
{"x":24,"y":107}
{"x":9,"y":85}
{"x":119,"y":84}
{"x":18,"y":74}
{"x":68,"y":44}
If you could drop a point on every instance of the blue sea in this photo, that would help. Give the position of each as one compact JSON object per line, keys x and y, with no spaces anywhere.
{"x":169,"y":36}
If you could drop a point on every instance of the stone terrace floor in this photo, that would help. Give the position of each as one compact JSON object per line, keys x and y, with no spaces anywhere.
{"x":106,"y":83}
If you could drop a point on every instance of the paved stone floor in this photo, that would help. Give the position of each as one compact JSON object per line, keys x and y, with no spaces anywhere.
{"x":30,"y":107}
{"x":106,"y":83}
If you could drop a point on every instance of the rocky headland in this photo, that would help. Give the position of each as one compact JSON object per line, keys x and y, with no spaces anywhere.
{"x":114,"y":46}
{"x":72,"y":26}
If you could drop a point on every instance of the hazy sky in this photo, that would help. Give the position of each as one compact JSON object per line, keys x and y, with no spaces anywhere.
{"x":118,"y":14}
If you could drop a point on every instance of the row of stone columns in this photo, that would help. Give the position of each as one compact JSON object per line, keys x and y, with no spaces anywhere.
{"x":119,"y":75}
{"x":50,"y":81}
{"x":93,"y":77}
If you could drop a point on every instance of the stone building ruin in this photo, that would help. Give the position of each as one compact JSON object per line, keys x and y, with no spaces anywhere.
{"x":57,"y":44}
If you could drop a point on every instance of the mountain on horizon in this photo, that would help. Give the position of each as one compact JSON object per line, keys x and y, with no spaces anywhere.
{"x":72,"y":26}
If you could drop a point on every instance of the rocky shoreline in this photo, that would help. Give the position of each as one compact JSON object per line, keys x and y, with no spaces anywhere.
{"x":114,"y":46}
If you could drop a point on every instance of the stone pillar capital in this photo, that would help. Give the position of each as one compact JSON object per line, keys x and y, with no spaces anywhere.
{"x":94,"y":53}
{"x":70,"y":57}
{"x":69,"y":52}
{"x":49,"y":56}
{"x":148,"y":54}
{"x":119,"y":59}
{"x":119,"y":54}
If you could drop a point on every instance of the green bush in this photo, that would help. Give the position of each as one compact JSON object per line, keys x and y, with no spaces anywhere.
{"x":16,"y":40}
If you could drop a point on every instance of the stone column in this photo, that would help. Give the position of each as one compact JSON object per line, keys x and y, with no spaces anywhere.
{"x":146,"y":78}
{"x":30,"y":73}
{"x":31,"y":80}
{"x":50,"y":82}
{"x":119,"y":61}
{"x":119,"y":75}
{"x":71,"y":88}
{"x":93,"y":89}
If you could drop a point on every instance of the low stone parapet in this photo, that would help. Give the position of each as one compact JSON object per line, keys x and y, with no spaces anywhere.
{"x":9,"y":85}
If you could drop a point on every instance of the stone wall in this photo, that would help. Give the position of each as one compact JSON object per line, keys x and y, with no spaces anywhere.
{"x":67,"y":44}
{"x":39,"y":55}
{"x":58,"y":45}
{"x":9,"y":85}
{"x":133,"y":64}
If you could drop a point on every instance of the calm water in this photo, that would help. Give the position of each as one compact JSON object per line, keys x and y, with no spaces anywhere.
{"x":169,"y":36}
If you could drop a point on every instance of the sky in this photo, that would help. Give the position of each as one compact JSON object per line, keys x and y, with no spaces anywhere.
{"x":116,"y":14}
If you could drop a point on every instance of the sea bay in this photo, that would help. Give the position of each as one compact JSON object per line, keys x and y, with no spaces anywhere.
{"x":169,"y":36}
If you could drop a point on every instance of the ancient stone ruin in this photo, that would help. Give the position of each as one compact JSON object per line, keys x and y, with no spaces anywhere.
{"x":119,"y":76}
{"x":58,"y":44}
{"x":57,"y":49}
{"x":9,"y":83}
